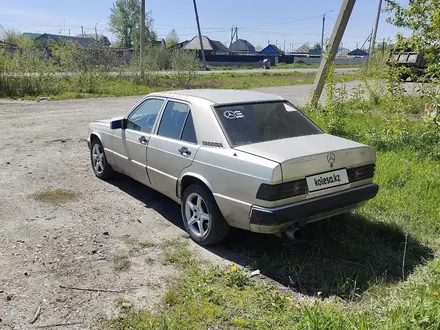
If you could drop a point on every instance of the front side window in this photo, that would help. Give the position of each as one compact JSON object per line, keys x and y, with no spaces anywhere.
{"x":144,"y":116}
{"x":173,"y":120}
{"x":260,"y":122}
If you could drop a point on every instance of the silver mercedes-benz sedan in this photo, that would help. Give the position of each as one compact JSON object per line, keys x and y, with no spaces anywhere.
{"x":234,"y":158}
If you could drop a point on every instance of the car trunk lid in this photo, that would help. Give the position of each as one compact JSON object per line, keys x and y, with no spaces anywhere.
{"x":313,"y":154}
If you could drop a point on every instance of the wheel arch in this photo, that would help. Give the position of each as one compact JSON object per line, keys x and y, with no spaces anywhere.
{"x":188,"y":179}
{"x":94,"y":136}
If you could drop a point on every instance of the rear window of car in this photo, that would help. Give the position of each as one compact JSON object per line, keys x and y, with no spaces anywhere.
{"x":259,"y":122}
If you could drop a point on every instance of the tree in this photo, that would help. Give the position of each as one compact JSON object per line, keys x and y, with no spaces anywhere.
{"x":125,"y":21}
{"x":317,"y":46}
{"x":422,"y":17}
{"x":14,"y":37}
{"x":172,"y":38}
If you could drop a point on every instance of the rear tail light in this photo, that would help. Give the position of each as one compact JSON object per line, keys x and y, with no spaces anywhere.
{"x":285,"y":190}
{"x":276,"y":192}
{"x":361,"y":173}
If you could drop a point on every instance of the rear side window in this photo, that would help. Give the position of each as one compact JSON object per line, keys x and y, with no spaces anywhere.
{"x":189,"y":133}
{"x":260,"y":122}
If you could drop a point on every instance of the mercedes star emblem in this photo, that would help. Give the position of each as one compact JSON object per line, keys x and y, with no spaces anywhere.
{"x":229,"y":114}
{"x":331,"y":158}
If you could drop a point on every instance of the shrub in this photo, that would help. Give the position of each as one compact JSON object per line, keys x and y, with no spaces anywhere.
{"x":185,"y":64}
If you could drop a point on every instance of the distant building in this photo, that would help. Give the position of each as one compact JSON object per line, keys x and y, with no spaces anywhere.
{"x":242,"y":46}
{"x":180,"y":45}
{"x":304,"y":49}
{"x":43,"y":40}
{"x":271,"y":50}
{"x":342,"y":52}
{"x":160,"y":43}
{"x":103,"y":40}
{"x":210,"y":47}
{"x":358,"y":52}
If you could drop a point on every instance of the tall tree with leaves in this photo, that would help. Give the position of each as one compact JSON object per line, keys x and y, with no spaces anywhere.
{"x":172,"y":38}
{"x":422,"y":17}
{"x":125,"y":21}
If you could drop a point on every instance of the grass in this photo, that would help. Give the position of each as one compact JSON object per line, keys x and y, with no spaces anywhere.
{"x":124,"y":86}
{"x":121,"y":263}
{"x":376,"y":268}
{"x":55,"y":196}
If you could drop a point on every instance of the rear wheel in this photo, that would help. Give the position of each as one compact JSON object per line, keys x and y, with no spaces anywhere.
{"x":201,"y":216}
{"x":100,"y":166}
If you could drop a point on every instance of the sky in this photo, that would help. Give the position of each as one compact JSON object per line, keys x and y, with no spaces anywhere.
{"x":289,"y":24}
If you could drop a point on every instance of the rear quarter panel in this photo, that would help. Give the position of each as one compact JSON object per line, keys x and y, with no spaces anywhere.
{"x":234,"y":178}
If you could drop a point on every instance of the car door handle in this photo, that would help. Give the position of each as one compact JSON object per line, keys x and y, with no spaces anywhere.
{"x":143,"y":140}
{"x":184,"y":151}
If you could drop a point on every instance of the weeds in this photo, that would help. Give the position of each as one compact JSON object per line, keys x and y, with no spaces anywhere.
{"x":121,"y":263}
{"x":56,"y":196}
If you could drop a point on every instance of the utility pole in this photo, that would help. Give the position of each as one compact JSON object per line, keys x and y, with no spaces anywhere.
{"x":335,"y":40}
{"x":236,"y":39}
{"x":82,"y":31}
{"x":376,"y":25}
{"x":200,"y":36}
{"x":323,"y":30}
{"x":371,"y":43}
{"x":96,"y":32}
{"x":142,"y":43}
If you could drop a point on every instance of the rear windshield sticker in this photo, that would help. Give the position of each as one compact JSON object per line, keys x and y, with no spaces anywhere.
{"x":230,"y":114}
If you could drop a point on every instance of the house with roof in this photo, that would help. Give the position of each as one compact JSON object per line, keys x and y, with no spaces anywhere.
{"x":242,"y":46}
{"x":302,"y":50}
{"x":358,"y":53}
{"x":210,"y":47}
{"x":43,"y":40}
{"x":102,"y":39}
{"x":180,"y":45}
{"x":271,"y":50}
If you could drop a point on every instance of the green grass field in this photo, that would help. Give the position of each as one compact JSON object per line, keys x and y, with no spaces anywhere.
{"x":376,"y":268}
{"x":61,"y":88}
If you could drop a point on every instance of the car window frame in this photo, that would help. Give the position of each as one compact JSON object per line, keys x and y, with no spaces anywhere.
{"x":225,"y":133}
{"x":156,"y":132}
{"x":139,"y":104}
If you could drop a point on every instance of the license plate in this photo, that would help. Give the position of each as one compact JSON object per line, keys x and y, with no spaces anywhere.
{"x":327,"y":180}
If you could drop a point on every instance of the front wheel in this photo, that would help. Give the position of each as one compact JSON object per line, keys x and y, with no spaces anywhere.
{"x":101,"y":167}
{"x":201,"y":216}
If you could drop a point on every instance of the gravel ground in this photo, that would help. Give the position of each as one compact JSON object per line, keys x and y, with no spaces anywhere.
{"x":103,"y":236}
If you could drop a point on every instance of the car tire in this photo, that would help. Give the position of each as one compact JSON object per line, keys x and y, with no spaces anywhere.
{"x":201,"y":216}
{"x":100,"y":166}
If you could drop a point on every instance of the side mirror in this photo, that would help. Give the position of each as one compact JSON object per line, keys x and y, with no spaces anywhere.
{"x":118,"y":124}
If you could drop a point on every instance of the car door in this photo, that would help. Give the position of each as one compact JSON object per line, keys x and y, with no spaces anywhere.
{"x":130,"y":144}
{"x":173,"y":147}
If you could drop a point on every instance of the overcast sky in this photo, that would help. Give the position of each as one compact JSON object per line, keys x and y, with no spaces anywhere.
{"x":291,"y":22}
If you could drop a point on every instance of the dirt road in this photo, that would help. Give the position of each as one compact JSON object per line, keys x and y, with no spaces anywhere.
{"x":62,"y":229}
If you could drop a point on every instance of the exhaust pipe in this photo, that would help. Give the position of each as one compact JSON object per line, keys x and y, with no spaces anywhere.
{"x":293,"y":233}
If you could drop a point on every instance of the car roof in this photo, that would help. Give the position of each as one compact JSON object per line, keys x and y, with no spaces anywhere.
{"x":220,"y":96}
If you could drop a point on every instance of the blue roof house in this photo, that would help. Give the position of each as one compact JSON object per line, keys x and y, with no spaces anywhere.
{"x":271,"y":50}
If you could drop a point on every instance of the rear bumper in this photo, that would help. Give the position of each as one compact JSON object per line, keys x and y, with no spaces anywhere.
{"x":272,"y":220}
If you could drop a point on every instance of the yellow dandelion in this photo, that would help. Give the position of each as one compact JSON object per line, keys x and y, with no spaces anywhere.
{"x":288,"y":298}
{"x":233,"y":268}
{"x":435,"y":293}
